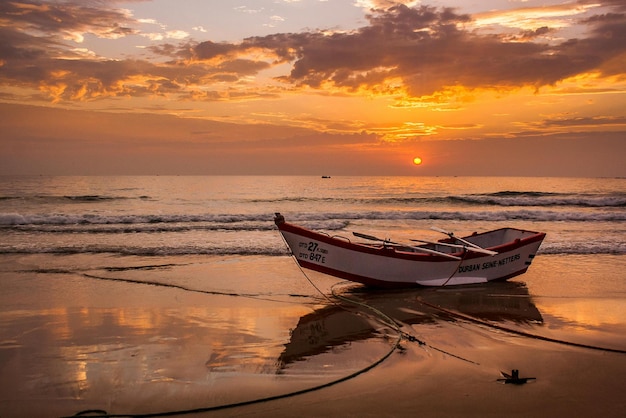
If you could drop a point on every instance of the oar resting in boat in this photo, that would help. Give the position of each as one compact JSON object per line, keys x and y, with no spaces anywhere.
{"x":469,"y":244}
{"x":422,"y":249}
{"x":474,"y":248}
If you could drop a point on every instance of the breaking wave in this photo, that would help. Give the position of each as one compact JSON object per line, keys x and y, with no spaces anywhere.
{"x":501,"y":198}
{"x":180,"y":222}
{"x":274,"y":247}
{"x":148,"y":251}
{"x":511,"y":198}
{"x":51,"y":199}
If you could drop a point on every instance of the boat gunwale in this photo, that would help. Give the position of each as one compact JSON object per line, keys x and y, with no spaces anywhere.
{"x":393,"y":251}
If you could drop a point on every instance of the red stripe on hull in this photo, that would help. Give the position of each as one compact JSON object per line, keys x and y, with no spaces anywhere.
{"x":369,"y":281}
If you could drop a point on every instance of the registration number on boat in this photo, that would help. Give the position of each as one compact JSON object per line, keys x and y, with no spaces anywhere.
{"x":312,"y":251}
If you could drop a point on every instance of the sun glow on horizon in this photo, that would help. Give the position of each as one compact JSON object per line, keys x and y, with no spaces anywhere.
{"x":309,"y":88}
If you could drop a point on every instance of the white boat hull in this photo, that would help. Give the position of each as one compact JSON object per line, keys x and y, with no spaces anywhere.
{"x":385,"y":265}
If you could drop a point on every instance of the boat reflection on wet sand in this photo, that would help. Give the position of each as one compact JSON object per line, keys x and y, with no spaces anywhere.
{"x":342,"y":323}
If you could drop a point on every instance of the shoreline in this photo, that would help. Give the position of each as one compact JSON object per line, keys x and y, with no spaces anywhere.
{"x":207,"y":335}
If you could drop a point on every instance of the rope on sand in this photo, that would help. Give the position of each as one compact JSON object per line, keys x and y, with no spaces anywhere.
{"x":243,"y":403}
{"x":520,"y":333}
{"x":396,"y":326}
{"x":385,"y":319}
{"x":104,"y":414}
{"x":188,"y":289}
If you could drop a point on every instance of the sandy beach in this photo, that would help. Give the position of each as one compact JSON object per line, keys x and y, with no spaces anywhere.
{"x":135,"y":336}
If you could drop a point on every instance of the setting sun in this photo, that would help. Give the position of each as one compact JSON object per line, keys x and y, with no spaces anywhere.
{"x":417,"y":160}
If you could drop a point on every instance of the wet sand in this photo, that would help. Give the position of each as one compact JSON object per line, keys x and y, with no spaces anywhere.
{"x":151,"y":335}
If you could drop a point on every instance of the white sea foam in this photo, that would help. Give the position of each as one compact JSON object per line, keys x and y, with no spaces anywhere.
{"x":207,"y":215}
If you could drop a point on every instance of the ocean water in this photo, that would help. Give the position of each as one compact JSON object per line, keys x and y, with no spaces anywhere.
{"x":233,"y":215}
{"x":151,"y":294}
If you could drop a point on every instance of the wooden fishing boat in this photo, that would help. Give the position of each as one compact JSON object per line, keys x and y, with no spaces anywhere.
{"x":482,"y":257}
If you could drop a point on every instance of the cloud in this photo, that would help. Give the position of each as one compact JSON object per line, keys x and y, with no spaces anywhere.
{"x":586,"y":121}
{"x":36,"y":53}
{"x":429,"y":50}
{"x":413,"y":53}
{"x":66,"y":20}
{"x":383,"y":4}
{"x":247,"y":10}
{"x":170,"y":34}
{"x":131,"y":143}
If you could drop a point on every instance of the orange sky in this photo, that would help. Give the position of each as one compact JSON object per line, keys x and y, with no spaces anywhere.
{"x":313,"y":87}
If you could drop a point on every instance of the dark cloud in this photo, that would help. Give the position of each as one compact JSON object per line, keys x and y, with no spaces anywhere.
{"x":208,"y":50}
{"x":427,"y":49}
{"x":529,"y":35}
{"x":66,"y":18}
{"x":243,"y":66}
{"x":37,"y":52}
{"x":583,"y":121}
